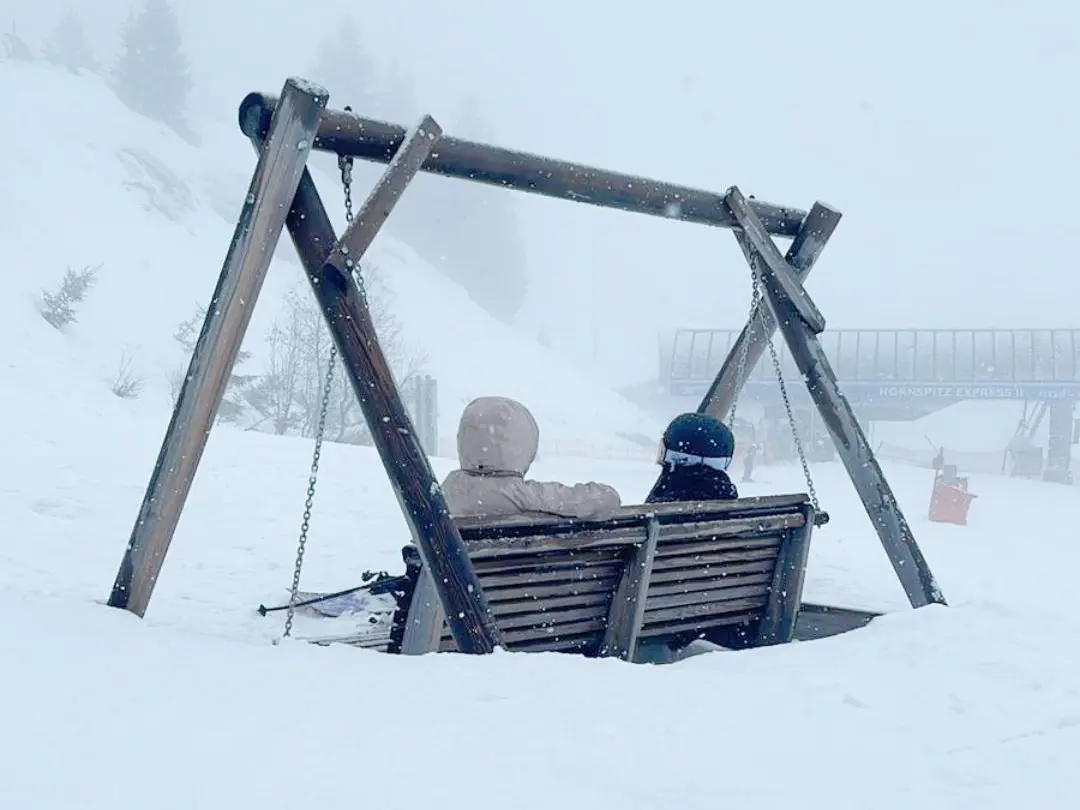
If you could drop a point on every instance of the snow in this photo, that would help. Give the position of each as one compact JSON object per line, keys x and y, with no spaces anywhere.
{"x":975,"y":436}
{"x":972,"y":706}
{"x":166,"y":222}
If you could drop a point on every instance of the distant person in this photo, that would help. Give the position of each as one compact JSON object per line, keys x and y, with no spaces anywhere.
{"x":695,"y":456}
{"x":939,"y":460}
{"x":748,"y":464}
{"x":497,"y":441}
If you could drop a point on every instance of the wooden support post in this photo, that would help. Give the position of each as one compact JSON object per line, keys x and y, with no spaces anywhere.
{"x":754,"y":338}
{"x":330,"y":265}
{"x":836,"y":412}
{"x":281,"y":161}
{"x":628,"y":603}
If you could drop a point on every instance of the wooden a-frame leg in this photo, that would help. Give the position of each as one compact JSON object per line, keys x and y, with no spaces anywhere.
{"x":836,"y":412}
{"x":330,"y":264}
{"x":281,"y":160}
{"x":803,"y":253}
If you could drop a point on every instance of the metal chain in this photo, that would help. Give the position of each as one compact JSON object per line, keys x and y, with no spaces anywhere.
{"x":740,"y":369}
{"x":345,"y":166}
{"x":757,"y":313}
{"x":313,"y":479}
{"x":777,"y":369}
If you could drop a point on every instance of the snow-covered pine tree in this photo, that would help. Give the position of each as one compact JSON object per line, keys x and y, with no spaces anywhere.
{"x":152,"y":75}
{"x":67,"y":45}
{"x":233,"y":403}
{"x":344,"y":68}
{"x":482,"y":246}
{"x":479,"y":244}
{"x":15,"y":47}
{"x":59,"y":306}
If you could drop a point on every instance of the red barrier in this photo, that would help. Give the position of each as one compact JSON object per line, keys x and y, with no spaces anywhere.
{"x":950,"y":499}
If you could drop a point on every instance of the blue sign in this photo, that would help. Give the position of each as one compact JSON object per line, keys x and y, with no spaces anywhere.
{"x":875,"y":391}
{"x":898,"y":392}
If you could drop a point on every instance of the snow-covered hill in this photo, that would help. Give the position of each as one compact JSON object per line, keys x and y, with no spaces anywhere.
{"x":157,"y":214}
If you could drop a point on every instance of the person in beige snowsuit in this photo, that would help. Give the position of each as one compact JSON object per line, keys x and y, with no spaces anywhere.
{"x":497,"y":442}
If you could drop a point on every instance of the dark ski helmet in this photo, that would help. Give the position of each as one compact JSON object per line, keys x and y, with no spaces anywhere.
{"x":694,"y":438}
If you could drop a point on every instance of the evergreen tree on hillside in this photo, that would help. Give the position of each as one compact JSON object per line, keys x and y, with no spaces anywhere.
{"x":484,"y":249}
{"x":152,"y":74}
{"x":67,"y":45}
{"x":398,"y":103}
{"x":15,"y":47}
{"x":343,"y":67}
{"x":469,"y":233}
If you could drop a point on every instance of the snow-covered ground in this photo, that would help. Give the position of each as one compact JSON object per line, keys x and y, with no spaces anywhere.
{"x":977,"y":705}
{"x":973,"y":706}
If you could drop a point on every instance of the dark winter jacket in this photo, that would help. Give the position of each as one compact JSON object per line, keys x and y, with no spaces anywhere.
{"x":692,"y":483}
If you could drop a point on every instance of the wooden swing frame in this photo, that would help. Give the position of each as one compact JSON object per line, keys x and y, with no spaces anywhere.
{"x":282,"y":194}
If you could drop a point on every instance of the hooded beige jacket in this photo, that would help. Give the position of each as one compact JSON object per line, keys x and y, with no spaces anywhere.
{"x":497,"y":442}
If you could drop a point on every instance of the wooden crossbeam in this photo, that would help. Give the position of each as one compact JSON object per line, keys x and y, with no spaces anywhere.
{"x":346,"y":133}
{"x":839,"y":417}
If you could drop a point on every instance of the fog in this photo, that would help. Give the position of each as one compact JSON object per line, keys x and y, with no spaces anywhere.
{"x":946,"y":132}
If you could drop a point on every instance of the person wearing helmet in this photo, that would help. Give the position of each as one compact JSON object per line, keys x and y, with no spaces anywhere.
{"x":497,"y":441}
{"x":695,"y":454}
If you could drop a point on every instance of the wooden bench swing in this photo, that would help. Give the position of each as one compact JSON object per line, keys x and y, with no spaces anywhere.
{"x":730,"y":572}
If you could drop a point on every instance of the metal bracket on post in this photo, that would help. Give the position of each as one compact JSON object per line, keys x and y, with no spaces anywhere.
{"x":329,"y":263}
{"x":281,"y":162}
{"x":836,"y":412}
{"x":803,"y":254}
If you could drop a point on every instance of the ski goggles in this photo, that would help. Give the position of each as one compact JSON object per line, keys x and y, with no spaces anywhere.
{"x":677,"y":459}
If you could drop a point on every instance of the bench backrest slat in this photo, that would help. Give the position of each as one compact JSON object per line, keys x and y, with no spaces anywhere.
{"x":657,"y":571}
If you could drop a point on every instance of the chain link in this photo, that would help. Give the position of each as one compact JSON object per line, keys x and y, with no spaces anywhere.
{"x":313,"y":479}
{"x":757,"y":313}
{"x":811,"y":490}
{"x":345,"y":165}
{"x":740,"y":369}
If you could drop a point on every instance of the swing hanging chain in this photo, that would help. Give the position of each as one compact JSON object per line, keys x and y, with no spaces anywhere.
{"x":811,"y":490}
{"x":345,"y":165}
{"x":313,"y":479}
{"x":756,"y":311}
{"x":740,"y":370}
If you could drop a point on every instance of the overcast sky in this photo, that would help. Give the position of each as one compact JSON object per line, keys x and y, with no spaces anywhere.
{"x":947,"y":133}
